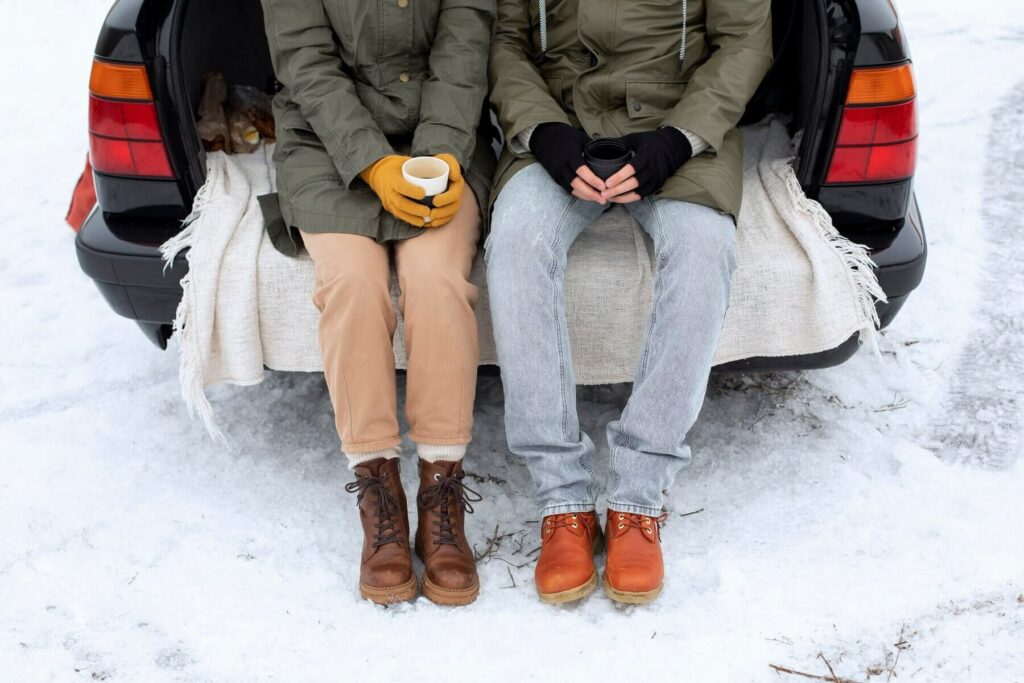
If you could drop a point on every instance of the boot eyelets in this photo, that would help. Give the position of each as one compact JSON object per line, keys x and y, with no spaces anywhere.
{"x":649,"y":531}
{"x":437,"y":476}
{"x":621,"y":525}
{"x":575,"y":526}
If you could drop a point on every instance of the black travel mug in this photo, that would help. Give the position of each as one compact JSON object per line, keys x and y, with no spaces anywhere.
{"x":607,"y":156}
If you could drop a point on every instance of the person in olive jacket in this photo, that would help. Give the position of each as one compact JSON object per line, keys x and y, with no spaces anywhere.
{"x":367,"y":85}
{"x":671,"y":78}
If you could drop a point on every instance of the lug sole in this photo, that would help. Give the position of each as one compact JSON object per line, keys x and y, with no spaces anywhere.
{"x":629,"y":598}
{"x":450,"y":597}
{"x":390,"y":595}
{"x":571,"y":595}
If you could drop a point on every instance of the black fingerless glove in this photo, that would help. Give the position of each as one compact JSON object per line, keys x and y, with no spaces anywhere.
{"x":656,"y":156}
{"x":559,"y":149}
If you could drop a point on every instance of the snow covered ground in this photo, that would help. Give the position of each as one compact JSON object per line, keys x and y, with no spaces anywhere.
{"x":869,"y":515}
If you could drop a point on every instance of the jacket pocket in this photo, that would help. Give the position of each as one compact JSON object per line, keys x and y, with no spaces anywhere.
{"x":647,"y":99}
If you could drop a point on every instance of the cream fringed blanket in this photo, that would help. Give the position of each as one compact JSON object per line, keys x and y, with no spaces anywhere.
{"x":800,"y":287}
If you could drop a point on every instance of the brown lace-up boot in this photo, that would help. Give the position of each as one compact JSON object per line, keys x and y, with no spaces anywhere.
{"x":449,"y":573}
{"x":565,"y":570}
{"x":386,"y":574}
{"x":635,"y":570}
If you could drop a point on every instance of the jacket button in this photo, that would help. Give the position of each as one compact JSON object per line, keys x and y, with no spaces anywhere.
{"x":404,"y":77}
{"x":636,"y":106}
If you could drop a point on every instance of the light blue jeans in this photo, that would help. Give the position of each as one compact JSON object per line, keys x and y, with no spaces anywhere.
{"x":534,"y":223}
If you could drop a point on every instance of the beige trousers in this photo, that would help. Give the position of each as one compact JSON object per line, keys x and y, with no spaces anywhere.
{"x":358,"y":322}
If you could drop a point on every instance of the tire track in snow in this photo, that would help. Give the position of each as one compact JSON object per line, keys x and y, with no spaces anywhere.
{"x":983,"y":424}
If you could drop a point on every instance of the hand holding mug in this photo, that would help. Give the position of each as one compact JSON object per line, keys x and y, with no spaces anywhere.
{"x":440,"y":178}
{"x":397,"y":195}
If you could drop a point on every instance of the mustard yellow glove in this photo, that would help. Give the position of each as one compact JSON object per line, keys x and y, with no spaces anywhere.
{"x":447,"y":204}
{"x":396,"y":194}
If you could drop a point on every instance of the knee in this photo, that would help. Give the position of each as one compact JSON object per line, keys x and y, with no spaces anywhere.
{"x":440,"y":286}
{"x":519,"y":248}
{"x":343,"y":288}
{"x":708,"y":244}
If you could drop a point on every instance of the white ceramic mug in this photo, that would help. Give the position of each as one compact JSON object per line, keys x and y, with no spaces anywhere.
{"x":430,"y":173}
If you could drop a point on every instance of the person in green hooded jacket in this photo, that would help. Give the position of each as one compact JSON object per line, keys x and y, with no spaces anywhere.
{"x":368,"y":84}
{"x":667,"y":81}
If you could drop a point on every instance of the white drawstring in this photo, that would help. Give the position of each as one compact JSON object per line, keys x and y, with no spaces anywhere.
{"x":542,"y":8}
{"x":682,"y":41}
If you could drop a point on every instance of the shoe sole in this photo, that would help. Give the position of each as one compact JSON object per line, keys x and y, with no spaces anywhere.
{"x":571,"y":595}
{"x":629,"y":598}
{"x":450,"y":597}
{"x":391,"y":595}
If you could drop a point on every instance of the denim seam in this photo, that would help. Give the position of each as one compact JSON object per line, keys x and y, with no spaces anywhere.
{"x":642,"y":369}
{"x":558,"y":319}
{"x":559,"y":314}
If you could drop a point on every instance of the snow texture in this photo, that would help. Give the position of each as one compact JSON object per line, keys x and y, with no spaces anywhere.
{"x":869,"y":515}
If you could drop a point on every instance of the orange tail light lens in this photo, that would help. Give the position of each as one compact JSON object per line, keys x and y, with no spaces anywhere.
{"x":881,"y":85}
{"x":120,"y":81}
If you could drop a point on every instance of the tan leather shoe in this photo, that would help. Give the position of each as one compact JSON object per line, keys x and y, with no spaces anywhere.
{"x":386,"y":574}
{"x":449,"y":568}
{"x":635,"y":570}
{"x":565,"y":570}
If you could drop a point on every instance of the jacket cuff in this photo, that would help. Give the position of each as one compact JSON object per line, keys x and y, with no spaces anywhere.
{"x":518,"y":140}
{"x":358,"y":157}
{"x":697,"y":143}
{"x":686,"y":120}
{"x":520,"y":144}
{"x":433,"y":138}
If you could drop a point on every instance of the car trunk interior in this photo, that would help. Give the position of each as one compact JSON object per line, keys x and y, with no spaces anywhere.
{"x":228,"y":36}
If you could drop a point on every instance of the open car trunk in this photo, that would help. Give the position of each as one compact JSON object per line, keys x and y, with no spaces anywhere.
{"x":227,"y":36}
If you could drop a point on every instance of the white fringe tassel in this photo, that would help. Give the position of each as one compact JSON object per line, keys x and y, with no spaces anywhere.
{"x":190,"y":365}
{"x":855,"y":256}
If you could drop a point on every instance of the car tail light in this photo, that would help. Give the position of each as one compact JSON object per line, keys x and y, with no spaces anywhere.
{"x":877,"y":139}
{"x":124,"y":131}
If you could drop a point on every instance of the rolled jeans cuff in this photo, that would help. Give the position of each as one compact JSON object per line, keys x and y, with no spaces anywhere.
{"x":564,"y":508}
{"x":632,"y":508}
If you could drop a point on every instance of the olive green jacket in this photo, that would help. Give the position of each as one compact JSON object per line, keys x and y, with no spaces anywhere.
{"x":612,"y":67}
{"x":364,"y":79}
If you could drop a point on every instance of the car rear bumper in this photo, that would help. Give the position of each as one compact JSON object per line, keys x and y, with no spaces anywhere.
{"x":130,"y":273}
{"x":131,"y":277}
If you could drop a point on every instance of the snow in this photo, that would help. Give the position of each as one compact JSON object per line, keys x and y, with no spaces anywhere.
{"x":864,"y":513}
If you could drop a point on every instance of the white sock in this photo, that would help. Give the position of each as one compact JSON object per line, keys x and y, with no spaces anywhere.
{"x":449,"y":453}
{"x":356,"y":459}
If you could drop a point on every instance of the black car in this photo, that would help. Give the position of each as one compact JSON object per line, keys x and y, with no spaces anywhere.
{"x":842,"y":74}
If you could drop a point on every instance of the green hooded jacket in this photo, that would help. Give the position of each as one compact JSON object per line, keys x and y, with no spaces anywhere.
{"x":613,"y":67}
{"x":364,"y":79}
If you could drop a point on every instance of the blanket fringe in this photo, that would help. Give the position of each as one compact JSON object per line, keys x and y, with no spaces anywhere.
{"x":855,"y":257}
{"x":190,"y":366}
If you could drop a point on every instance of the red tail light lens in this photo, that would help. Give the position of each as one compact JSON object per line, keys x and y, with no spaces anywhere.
{"x":878,"y":125}
{"x":130,"y":157}
{"x":873,"y":164}
{"x":877,"y":139}
{"x":127,"y":120}
{"x":124,"y":130}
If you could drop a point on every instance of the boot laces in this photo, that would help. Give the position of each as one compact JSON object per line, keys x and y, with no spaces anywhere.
{"x":568,"y":520}
{"x":386,"y":511}
{"x":448,"y":494}
{"x":628,"y":520}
